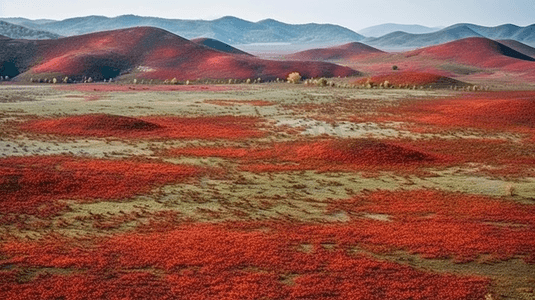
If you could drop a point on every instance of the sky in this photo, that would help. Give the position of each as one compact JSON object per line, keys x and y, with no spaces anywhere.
{"x":353,"y":14}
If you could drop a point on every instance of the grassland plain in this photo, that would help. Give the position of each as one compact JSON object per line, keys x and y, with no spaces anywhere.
{"x":266,"y":191}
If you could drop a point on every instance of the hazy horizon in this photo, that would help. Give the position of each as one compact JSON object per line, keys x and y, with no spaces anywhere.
{"x":351,"y":14}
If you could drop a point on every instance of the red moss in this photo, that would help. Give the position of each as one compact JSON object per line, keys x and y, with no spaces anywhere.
{"x":437,"y":224}
{"x":216,"y":262}
{"x":102,"y":125}
{"x":489,"y":111}
{"x":343,"y":154}
{"x":33,"y":185}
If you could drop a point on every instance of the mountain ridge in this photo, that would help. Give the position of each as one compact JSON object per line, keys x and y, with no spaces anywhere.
{"x":228,"y":29}
{"x":403,"y":40}
{"x":386,"y":28}
{"x":21,"y":32}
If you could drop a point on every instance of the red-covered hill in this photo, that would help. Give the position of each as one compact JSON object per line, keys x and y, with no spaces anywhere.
{"x":480,"y":52}
{"x":342,"y":52}
{"x":144,"y":52}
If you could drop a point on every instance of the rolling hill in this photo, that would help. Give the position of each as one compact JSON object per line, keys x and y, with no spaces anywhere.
{"x":20,"y":32}
{"x":403,"y":40}
{"x":518,"y":46}
{"x":220,"y":46}
{"x":229,"y":30}
{"x":145,"y":53}
{"x":342,"y":52}
{"x":383,"y":29}
{"x":506,"y":31}
{"x":479,"y":52}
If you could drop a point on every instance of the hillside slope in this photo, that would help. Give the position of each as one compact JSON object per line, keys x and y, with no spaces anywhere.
{"x":143,"y":52}
{"x":342,"y":52}
{"x":518,"y":46}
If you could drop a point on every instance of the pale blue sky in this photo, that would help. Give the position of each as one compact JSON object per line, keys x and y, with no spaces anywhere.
{"x":351,"y":14}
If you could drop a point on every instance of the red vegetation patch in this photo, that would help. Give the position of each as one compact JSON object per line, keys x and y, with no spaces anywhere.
{"x":32,"y":185}
{"x":240,"y":102}
{"x":411,"y":79}
{"x":102,"y":125}
{"x":505,"y":158}
{"x":343,"y":52}
{"x":438,"y":224}
{"x":344,"y":154}
{"x":489,"y":111}
{"x":476,"y":51}
{"x":221,"y":262}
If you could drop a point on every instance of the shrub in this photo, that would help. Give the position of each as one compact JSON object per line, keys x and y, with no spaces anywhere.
{"x":510,"y":190}
{"x":322,"y":82}
{"x":394,"y":67}
{"x":294,"y":77}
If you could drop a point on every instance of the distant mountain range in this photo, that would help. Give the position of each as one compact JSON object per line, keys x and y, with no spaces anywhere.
{"x":270,"y":33}
{"x":20,"y":32}
{"x":403,"y":40}
{"x":384,"y":29}
{"x":229,"y":30}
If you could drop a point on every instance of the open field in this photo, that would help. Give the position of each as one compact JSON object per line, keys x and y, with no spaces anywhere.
{"x":266,"y":191}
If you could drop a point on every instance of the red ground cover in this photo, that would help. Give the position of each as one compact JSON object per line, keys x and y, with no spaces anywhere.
{"x":410,"y":78}
{"x":439,"y":224}
{"x":478,"y":51}
{"x":348,"y":51}
{"x":405,"y":156}
{"x":103,"y":125}
{"x":213,"y":261}
{"x":510,"y":110}
{"x":32,"y":185}
{"x":323,"y":155}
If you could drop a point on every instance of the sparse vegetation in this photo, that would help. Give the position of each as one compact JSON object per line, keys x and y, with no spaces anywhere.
{"x":294,"y":77}
{"x":321,"y":82}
